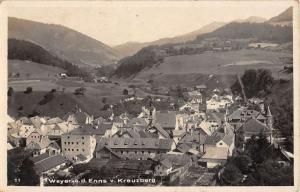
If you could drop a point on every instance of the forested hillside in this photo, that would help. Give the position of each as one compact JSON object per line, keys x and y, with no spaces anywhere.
{"x":260,"y":31}
{"x":24,"y":50}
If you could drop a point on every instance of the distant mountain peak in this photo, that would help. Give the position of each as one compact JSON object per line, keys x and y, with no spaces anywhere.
{"x":285,"y":16}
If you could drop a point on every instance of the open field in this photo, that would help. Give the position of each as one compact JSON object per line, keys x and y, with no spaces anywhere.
{"x":229,"y":62}
{"x":28,"y":69}
{"x":197,"y":69}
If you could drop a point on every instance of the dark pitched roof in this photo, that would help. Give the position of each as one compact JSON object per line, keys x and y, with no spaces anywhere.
{"x":161,"y":130}
{"x":140,"y":143}
{"x":54,"y":145}
{"x":254,"y":126}
{"x":243,"y":114}
{"x":39,"y":158}
{"x":183,"y":147}
{"x":193,"y":138}
{"x":214,"y":138}
{"x":91,"y":129}
{"x":49,"y":163}
{"x":224,"y":133}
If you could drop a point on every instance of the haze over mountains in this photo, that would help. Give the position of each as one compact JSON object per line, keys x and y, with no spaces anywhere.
{"x":131,"y":48}
{"x":63,"y":42}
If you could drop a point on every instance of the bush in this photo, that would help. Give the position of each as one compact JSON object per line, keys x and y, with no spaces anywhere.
{"x":28,"y":90}
{"x":80,"y":91}
{"x":47,"y":98}
{"x":10,"y":92}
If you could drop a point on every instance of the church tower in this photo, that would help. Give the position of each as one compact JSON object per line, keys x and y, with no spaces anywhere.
{"x":269,"y":118}
{"x":270,"y":123}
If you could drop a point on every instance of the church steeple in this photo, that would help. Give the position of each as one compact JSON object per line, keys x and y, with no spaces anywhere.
{"x":270,"y":123}
{"x":269,"y":118}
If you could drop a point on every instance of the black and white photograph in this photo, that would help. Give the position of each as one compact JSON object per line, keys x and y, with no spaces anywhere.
{"x":152,"y":94}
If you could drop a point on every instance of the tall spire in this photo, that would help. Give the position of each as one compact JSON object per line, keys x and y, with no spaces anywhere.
{"x":269,"y":112}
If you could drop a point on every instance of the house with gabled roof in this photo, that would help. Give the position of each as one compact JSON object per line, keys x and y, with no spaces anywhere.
{"x":254,"y":127}
{"x":53,"y":148}
{"x":222,"y":137}
{"x":78,"y":118}
{"x":213,"y":157}
{"x":241,"y":115}
{"x":39,"y":147}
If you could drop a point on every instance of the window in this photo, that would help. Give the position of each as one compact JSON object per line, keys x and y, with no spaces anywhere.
{"x":82,"y":143}
{"x":72,"y":143}
{"x":82,"y":149}
{"x":65,"y":149}
{"x":77,"y":143}
{"x":72,"y":149}
{"x":68,"y":143}
{"x":65,"y":143}
{"x":82,"y":137}
{"x":77,"y":149}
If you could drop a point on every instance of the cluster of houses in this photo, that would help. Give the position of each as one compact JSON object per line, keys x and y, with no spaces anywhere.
{"x":176,"y":140}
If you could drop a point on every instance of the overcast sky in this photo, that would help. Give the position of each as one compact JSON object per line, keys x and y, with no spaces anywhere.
{"x":115,"y":23}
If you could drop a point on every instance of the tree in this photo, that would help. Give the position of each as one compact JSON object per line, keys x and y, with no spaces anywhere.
{"x":27,"y":174}
{"x":10,"y":92}
{"x":179,"y":92}
{"x":104,"y":100}
{"x":257,"y":83}
{"x":231,"y":175}
{"x":125,"y":92}
{"x":28,"y":90}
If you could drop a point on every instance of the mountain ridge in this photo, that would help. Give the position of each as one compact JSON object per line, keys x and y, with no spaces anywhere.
{"x":64,"y":42}
{"x":130,"y":48}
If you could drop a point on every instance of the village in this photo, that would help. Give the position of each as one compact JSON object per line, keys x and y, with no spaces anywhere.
{"x":184,"y":145}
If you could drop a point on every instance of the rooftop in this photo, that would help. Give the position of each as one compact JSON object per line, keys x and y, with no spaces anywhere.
{"x":90,"y":129}
{"x":49,"y":163}
{"x":252,"y":125}
{"x":139,"y":143}
{"x":167,"y":119}
{"x":215,"y":153}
